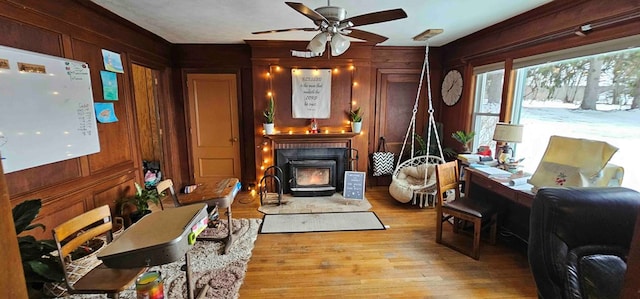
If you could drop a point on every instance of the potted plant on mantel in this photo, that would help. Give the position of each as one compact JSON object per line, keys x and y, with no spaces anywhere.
{"x":465,"y":139}
{"x":356,"y":120}
{"x":269,"y":114}
{"x":140,"y":201}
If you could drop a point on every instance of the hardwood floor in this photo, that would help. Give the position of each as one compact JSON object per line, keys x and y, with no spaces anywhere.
{"x":401,"y":262}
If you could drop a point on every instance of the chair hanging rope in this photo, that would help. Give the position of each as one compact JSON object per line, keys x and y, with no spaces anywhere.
{"x":415,"y":174}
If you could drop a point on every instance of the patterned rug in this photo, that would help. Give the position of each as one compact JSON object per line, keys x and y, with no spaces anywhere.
{"x":320,"y":204}
{"x":223,"y":273}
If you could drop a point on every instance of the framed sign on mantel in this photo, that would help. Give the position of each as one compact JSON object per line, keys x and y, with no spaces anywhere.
{"x":311,"y":93}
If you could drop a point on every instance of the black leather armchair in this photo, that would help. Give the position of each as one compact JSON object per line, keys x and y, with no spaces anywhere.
{"x":579,"y":240}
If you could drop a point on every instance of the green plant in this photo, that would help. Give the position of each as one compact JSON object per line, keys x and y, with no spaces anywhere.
{"x":464,"y":138}
{"x":38,"y":264}
{"x":141,"y":199}
{"x":421,"y":150}
{"x":270,"y":112}
{"x":449,"y":152}
{"x":355,"y":115}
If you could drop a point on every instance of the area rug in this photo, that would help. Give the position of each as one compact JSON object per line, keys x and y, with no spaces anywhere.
{"x":223,"y":273}
{"x":320,"y":222}
{"x":320,"y":204}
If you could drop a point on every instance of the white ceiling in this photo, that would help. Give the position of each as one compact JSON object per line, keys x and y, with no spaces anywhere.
{"x":232,"y":21}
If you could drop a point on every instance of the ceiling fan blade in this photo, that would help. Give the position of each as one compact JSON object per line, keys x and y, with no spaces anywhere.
{"x":377,"y":17}
{"x":284,"y":30}
{"x":308,"y":12}
{"x":368,"y":36}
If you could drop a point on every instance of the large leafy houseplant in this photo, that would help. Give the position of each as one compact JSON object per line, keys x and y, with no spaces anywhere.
{"x":38,"y":264}
{"x":421,"y":148}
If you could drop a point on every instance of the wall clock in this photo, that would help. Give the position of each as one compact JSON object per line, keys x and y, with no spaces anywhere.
{"x":452,"y":87}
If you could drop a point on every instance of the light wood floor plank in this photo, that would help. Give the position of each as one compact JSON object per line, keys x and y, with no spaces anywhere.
{"x":403,"y":261}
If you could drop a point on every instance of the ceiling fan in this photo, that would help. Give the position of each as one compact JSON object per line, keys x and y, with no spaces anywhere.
{"x":333,"y":24}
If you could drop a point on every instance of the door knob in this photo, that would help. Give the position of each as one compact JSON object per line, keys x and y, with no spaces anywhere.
{"x":234,"y":139}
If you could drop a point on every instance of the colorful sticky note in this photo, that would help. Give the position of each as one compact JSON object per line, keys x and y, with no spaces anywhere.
{"x":105,"y":112}
{"x":109,"y":85}
{"x":112,"y":61}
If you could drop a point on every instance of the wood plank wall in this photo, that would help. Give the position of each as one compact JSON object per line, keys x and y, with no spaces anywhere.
{"x":216,"y":59}
{"x":355,"y":83}
{"x":80,"y":30}
{"x":548,"y":28}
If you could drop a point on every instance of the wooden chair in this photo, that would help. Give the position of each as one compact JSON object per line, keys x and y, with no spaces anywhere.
{"x":168,"y":184}
{"x":478,"y":212}
{"x":72,"y":234}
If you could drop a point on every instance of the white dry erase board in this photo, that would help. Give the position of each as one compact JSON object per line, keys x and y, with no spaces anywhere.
{"x":46,"y":110}
{"x":354,"y":185}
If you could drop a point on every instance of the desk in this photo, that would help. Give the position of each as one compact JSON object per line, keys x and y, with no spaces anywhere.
{"x":500,"y":186}
{"x":218,"y":194}
{"x":514,"y":203}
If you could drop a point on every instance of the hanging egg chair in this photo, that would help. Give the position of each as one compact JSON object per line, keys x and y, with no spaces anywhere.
{"x":415,"y":177}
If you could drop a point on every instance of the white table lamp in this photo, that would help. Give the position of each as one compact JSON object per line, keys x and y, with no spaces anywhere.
{"x":506,"y":133}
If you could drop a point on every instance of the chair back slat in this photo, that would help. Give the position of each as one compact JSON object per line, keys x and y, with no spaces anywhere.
{"x":168,"y":184}
{"x":83,"y":237}
{"x":79,"y":224}
{"x":448,"y":177}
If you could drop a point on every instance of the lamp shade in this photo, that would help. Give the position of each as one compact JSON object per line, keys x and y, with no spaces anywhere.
{"x":318,"y":43}
{"x":508,"y":132}
{"x":339,"y":44}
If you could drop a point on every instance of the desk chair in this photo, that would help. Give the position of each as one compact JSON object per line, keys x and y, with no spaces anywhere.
{"x":100,"y":280}
{"x":461,"y":209}
{"x":214,"y":205}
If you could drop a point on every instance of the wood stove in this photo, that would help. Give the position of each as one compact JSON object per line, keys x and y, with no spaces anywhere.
{"x":312,"y":171}
{"x":312,"y":177}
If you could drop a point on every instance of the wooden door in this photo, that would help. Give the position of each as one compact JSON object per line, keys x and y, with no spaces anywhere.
{"x":394,"y":107}
{"x":144,"y":88}
{"x":395,"y":98}
{"x":214,"y":128}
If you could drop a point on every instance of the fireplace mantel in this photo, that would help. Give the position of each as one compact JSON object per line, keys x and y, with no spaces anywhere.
{"x":317,"y":140}
{"x":311,"y":137}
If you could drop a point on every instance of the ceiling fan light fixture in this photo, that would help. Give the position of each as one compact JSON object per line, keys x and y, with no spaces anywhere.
{"x":339,"y":44}
{"x":318,"y":43}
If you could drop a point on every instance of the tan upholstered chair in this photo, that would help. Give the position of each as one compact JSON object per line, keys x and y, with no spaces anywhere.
{"x":461,"y":210}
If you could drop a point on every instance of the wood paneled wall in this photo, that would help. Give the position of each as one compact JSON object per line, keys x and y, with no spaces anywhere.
{"x":545,"y":29}
{"x":214,"y":59}
{"x":80,"y":30}
{"x":369,"y":85}
{"x":351,"y":78}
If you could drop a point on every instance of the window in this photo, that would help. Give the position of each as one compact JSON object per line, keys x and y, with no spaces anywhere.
{"x":593,"y":96}
{"x":488,"y":99}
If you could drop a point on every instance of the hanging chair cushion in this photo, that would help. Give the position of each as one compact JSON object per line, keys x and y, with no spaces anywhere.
{"x":414,"y":175}
{"x":410,"y":177}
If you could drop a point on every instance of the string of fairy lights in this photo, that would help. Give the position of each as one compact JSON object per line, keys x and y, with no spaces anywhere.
{"x":267,"y":153}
